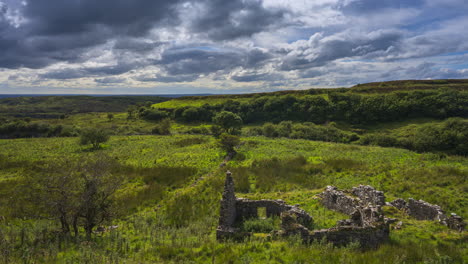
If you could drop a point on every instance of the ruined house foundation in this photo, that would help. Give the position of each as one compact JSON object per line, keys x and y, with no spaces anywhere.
{"x":367,"y":224}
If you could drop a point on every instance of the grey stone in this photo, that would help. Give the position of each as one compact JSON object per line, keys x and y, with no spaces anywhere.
{"x":422,"y":210}
{"x":336,"y":200}
{"x":398,"y":203}
{"x":456,"y":222}
{"x":367,"y":194}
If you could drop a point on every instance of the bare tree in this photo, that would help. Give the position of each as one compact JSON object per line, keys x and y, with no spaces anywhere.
{"x":77,"y":193}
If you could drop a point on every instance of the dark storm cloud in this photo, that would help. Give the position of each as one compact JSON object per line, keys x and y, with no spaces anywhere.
{"x":136,"y":17}
{"x":185,"y":40}
{"x":64,"y":74}
{"x":58,"y":30}
{"x":136,"y":44}
{"x":225,"y":20}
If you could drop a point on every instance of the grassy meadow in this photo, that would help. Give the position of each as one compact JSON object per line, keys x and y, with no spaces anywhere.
{"x":173,"y":219}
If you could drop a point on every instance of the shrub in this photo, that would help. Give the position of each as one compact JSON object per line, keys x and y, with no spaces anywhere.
{"x":153,"y":115}
{"x":379,"y":140}
{"x":228,"y":142}
{"x":94,"y":136}
{"x":216,"y":130}
{"x":269,"y":130}
{"x":162,"y":128}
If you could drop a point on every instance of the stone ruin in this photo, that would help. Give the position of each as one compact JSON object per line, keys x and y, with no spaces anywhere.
{"x":366,"y":225}
{"x":422,"y":210}
{"x":234,"y":210}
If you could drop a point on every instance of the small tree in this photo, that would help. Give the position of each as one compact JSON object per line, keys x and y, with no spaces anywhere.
{"x":229,"y":121}
{"x":110,"y":116}
{"x":94,"y":136}
{"x":228,"y":142}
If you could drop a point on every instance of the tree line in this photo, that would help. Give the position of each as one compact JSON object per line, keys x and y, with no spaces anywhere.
{"x":336,"y":106}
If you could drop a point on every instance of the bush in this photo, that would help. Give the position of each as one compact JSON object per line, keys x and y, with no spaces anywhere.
{"x":153,"y":115}
{"x":216,"y":130}
{"x":94,"y":136}
{"x":162,"y":128}
{"x":228,"y":142}
{"x":379,"y":140}
{"x":22,"y":129}
{"x":307,"y":130}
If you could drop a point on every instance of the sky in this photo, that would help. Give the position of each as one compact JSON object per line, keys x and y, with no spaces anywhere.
{"x":226,"y":46}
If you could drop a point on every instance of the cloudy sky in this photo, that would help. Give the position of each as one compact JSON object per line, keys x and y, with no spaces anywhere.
{"x":226,"y":46}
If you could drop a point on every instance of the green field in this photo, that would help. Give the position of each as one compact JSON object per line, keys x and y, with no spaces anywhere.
{"x":175,"y":222}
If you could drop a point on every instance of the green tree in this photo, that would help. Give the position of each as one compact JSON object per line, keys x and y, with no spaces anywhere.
{"x":94,"y":136}
{"x":229,"y":121}
{"x":110,"y":116}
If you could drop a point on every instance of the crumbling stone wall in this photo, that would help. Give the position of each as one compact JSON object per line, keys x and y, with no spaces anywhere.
{"x":228,"y":203}
{"x":456,"y":222}
{"x":366,"y":225}
{"x":235,"y":210}
{"x":422,"y":210}
{"x":334,"y":199}
{"x":367,"y":237}
{"x":398,"y":203}
{"x":368,"y":195}
{"x":247,"y":208}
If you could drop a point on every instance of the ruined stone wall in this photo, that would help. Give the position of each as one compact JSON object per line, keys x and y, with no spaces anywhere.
{"x":368,"y":195}
{"x":367,"y":237}
{"x":228,"y":203}
{"x":235,"y":210}
{"x":336,"y":200}
{"x":247,"y":208}
{"x":422,"y":210}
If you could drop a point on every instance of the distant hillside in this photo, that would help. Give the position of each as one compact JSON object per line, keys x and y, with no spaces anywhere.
{"x":373,"y":87}
{"x":54,"y":106}
{"x":402,"y":85}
